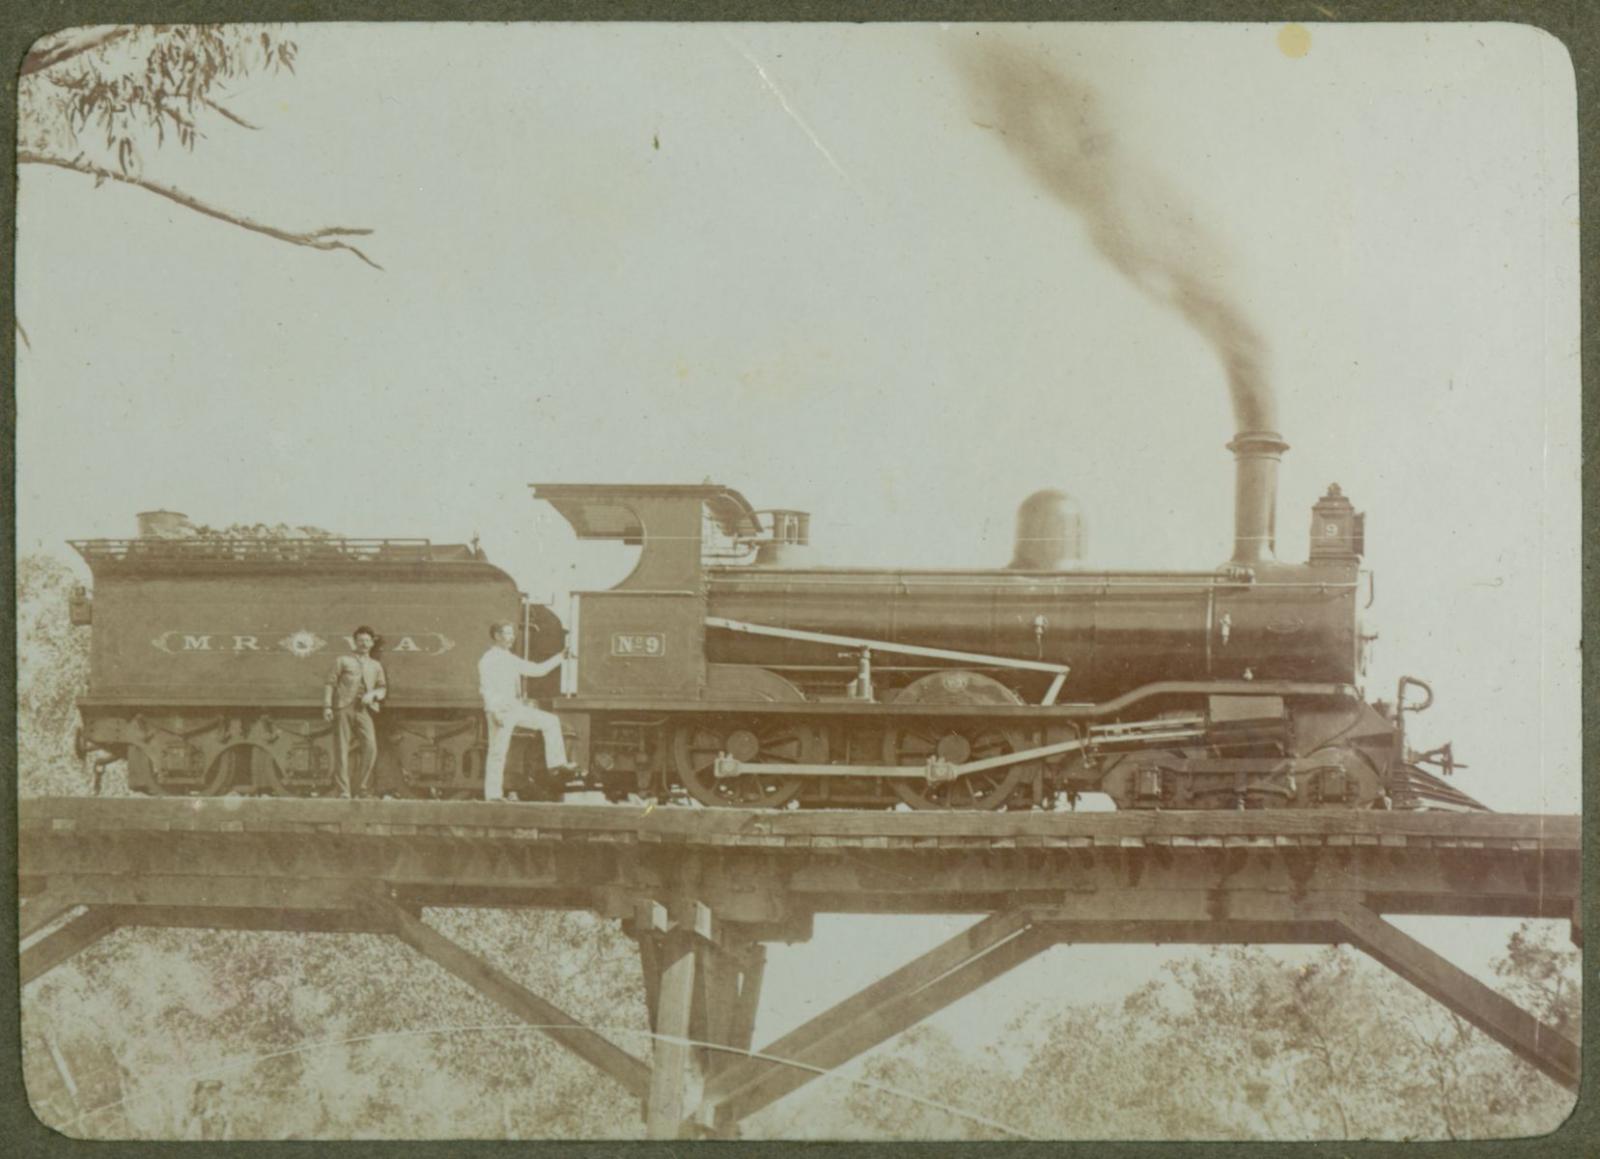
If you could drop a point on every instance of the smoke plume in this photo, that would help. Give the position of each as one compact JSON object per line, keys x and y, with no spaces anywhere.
{"x":1053,"y":125}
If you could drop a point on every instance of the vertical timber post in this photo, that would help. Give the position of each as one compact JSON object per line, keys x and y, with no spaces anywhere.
{"x":727,"y":994}
{"x":702,"y":985}
{"x":671,"y":1056}
{"x":740,"y":1030}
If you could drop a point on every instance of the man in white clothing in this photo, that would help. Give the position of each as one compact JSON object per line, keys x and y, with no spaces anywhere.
{"x":500,"y":674}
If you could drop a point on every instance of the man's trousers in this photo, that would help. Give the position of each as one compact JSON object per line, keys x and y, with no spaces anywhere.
{"x":501,"y":726}
{"x":353,"y":718}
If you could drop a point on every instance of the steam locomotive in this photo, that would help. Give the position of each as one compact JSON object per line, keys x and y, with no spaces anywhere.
{"x":727,"y":668}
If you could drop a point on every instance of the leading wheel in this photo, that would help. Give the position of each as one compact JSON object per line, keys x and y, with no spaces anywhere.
{"x":696,"y":746}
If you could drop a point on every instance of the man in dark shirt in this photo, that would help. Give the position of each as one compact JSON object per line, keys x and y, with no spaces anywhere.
{"x":351,"y":696}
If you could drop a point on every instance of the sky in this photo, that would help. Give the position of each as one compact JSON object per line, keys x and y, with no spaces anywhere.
{"x":807,"y":262}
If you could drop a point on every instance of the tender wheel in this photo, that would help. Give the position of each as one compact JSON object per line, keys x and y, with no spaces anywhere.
{"x":695,"y":748}
{"x":246,"y":766}
{"x":141,"y":774}
{"x":185,"y":774}
{"x":987,"y":790}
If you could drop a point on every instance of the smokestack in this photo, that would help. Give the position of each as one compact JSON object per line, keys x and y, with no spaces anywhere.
{"x":1053,"y":124}
{"x":1255,"y":495}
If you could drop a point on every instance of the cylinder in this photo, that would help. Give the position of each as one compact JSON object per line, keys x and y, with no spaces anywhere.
{"x":1050,"y":532}
{"x":1255,"y":495}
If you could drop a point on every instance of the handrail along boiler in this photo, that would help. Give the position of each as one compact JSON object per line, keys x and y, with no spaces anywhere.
{"x":728,"y":667}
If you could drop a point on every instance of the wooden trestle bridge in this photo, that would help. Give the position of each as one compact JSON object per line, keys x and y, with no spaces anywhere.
{"x":703,"y":891}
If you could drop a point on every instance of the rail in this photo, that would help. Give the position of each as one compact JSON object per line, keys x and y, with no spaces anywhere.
{"x":645,"y":825}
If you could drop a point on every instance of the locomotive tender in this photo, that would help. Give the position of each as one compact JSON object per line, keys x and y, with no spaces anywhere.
{"x":725,"y":667}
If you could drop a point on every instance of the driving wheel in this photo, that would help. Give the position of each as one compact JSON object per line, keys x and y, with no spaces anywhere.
{"x":957,"y":742}
{"x":914,"y":744}
{"x":696,"y":746}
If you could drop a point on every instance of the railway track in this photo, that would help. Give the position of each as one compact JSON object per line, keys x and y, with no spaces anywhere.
{"x":613,"y":824}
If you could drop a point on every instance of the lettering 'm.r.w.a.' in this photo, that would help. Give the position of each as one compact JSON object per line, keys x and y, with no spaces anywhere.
{"x":298,"y":642}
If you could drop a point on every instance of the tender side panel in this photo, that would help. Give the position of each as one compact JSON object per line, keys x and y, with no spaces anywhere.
{"x":268,"y":637}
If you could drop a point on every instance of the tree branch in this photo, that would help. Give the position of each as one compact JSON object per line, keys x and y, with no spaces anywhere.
{"x":49,"y":55}
{"x":319,"y":239}
{"x":228,"y":113}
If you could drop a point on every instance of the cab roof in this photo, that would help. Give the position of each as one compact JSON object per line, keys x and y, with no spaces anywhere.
{"x":602,"y":511}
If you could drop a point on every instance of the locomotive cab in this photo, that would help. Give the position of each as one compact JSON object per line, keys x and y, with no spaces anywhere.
{"x":645,"y":637}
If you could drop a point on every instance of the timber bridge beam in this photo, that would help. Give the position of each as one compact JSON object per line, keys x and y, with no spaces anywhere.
{"x":703,"y":891}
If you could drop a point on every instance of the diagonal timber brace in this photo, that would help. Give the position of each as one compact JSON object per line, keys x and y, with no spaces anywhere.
{"x":915,"y":974}
{"x":57,"y":946}
{"x":40,"y":910}
{"x":999,"y":943}
{"x":509,"y":994}
{"x":1491,"y":1012}
{"x":928,"y":984}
